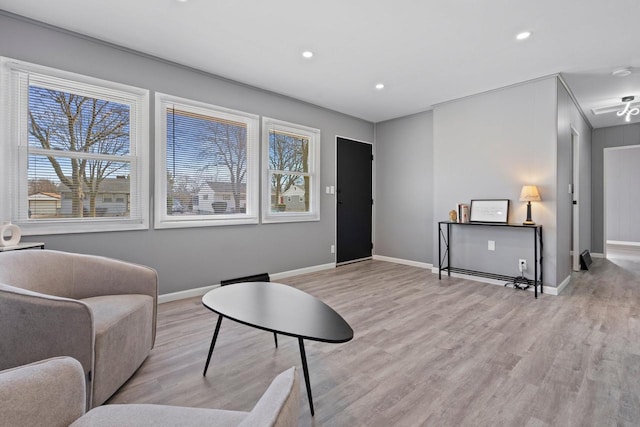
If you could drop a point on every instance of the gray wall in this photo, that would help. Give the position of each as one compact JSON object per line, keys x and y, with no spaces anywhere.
{"x":190,"y":258}
{"x":569,"y":117}
{"x":486,"y":147}
{"x":615,"y":136}
{"x":404,"y":188}
{"x":622,"y":194}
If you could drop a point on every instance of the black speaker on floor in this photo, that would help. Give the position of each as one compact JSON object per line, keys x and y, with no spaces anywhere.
{"x":263,"y":277}
{"x":585,"y":260}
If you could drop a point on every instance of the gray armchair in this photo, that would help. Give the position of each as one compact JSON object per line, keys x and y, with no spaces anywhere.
{"x":98,"y":310}
{"x":51,"y":393}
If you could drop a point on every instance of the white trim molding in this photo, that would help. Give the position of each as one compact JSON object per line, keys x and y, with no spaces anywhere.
{"x":622,"y":243}
{"x":409,"y":262}
{"x":305,"y":270}
{"x":189,"y":293}
{"x":195,"y":292}
{"x":560,"y":287}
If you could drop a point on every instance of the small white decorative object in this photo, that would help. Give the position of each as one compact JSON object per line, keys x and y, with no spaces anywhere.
{"x":9,"y":235}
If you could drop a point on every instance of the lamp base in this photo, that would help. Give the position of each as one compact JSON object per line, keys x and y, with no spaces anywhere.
{"x":528,"y":220}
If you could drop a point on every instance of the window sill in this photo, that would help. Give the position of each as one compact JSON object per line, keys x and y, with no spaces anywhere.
{"x":284,"y":218}
{"x":188,"y":223}
{"x":47,"y":228}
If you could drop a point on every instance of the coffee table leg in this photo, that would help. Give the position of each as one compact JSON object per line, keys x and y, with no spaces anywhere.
{"x":275,"y":339}
{"x":213,"y":344}
{"x":305,"y":369}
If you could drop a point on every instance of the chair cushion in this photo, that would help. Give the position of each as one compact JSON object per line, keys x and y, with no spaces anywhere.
{"x":123,"y":339}
{"x":136,"y":415}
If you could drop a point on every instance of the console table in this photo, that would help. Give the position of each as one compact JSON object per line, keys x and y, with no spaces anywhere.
{"x":446,"y":239}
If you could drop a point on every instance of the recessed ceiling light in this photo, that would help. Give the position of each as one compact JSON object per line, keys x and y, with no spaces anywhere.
{"x":379,"y":86}
{"x":307,"y":54}
{"x":621,"y":72}
{"x":182,"y":1}
{"x":523,"y":35}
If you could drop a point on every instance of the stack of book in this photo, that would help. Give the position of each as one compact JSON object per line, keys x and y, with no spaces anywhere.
{"x":463,"y":212}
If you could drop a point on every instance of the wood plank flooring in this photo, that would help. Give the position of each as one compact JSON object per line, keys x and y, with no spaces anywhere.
{"x":425,"y":352}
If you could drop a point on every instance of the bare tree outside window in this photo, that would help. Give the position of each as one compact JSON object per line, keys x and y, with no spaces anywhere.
{"x":289,"y":163}
{"x":81,"y":129}
{"x":203,"y":150}
{"x":228,"y":144}
{"x":42,"y":186}
{"x":209,"y":157}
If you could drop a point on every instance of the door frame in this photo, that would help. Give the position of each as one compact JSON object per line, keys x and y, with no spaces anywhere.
{"x":335,"y":195}
{"x":575,"y":196}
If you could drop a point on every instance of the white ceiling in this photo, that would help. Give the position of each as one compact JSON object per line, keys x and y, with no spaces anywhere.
{"x":424,"y":51}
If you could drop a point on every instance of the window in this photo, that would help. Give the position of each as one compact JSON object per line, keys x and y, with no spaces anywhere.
{"x":72,"y":139}
{"x":206,"y":164}
{"x":291,"y":167}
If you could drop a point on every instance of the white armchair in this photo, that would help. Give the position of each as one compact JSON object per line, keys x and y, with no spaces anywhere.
{"x":51,"y":393}
{"x":98,"y":310}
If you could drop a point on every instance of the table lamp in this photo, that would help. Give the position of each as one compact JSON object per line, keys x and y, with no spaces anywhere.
{"x":529,"y":194}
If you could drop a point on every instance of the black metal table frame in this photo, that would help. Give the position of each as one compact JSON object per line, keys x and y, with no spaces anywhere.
{"x":303,"y":356}
{"x":537,"y":253}
{"x":300,"y":338}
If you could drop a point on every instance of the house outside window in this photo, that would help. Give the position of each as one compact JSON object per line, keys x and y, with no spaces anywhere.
{"x":291,"y":168}
{"x":69,"y":136}
{"x":207,"y":168}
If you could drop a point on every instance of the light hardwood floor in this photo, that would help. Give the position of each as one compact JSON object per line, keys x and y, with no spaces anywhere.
{"x":425,"y":352}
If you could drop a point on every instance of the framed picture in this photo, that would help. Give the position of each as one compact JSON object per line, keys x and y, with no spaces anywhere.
{"x":494,"y":210}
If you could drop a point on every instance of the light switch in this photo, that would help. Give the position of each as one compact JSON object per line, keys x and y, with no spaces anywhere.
{"x":492,"y":245}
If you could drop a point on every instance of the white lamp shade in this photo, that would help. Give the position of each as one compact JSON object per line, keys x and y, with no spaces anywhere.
{"x":529,"y":193}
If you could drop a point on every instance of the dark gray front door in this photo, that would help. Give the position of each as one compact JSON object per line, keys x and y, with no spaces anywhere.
{"x":354,"y":200}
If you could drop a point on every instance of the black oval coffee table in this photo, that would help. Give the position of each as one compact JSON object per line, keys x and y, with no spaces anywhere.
{"x":280,"y":309}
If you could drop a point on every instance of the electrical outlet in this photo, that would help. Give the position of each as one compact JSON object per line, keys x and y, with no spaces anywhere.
{"x":522,"y":265}
{"x":491,"y":245}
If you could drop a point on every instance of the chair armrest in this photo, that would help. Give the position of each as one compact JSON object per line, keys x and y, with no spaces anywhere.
{"x":279,"y":406}
{"x":45,"y":393}
{"x":36,"y":326}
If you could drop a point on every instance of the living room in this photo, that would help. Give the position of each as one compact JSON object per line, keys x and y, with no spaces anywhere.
{"x":512,"y":135}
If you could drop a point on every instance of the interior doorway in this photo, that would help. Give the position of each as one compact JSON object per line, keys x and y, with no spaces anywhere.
{"x":621,"y":198}
{"x":354,"y":200}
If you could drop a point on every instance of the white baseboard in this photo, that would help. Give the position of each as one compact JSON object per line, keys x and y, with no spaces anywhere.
{"x":597,"y":255}
{"x":418,"y":264}
{"x":306,"y":270}
{"x":561,"y":286}
{"x":546,"y":289}
{"x":621,"y":243}
{"x":190,"y":293}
